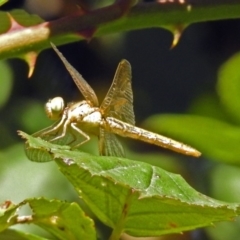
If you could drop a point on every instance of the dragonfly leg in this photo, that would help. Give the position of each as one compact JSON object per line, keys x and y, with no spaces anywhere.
{"x":73,"y":125}
{"x":63,"y":132}
{"x":54,"y":129}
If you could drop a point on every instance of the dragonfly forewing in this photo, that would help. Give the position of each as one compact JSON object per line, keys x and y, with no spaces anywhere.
{"x":127,"y":130}
{"x":80,"y":82}
{"x":118,"y":102}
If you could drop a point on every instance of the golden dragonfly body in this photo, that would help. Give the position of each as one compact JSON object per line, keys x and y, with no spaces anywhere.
{"x":114,"y":116}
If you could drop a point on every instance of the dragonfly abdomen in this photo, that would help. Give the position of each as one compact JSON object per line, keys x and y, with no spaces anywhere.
{"x":127,"y":130}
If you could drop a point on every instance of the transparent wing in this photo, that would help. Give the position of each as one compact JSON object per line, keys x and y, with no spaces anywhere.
{"x":118,"y":102}
{"x":82,"y":85}
{"x":109,"y":145}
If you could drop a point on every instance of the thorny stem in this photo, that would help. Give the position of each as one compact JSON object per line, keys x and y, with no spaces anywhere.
{"x":115,"y":18}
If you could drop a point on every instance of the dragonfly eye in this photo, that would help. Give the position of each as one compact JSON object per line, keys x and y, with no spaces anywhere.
{"x":54,"y":108}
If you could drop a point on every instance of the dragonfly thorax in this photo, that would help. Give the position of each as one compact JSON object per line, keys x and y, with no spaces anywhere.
{"x":84,"y":112}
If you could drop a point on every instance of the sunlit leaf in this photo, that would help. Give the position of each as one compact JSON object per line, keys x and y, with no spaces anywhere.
{"x":216,"y":139}
{"x":131,"y":196}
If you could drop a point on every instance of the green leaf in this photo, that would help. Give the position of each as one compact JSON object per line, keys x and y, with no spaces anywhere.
{"x":228,"y":86}
{"x":12,"y":234}
{"x":64,"y":220}
{"x":3,"y":2}
{"x":7,"y":214}
{"x":215,"y":139}
{"x":226,"y":190}
{"x":43,"y":154}
{"x":24,"y":18}
{"x":21,"y":17}
{"x":134,"y":197}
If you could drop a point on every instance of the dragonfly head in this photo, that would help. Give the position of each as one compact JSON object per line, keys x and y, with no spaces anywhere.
{"x":54,"y":108}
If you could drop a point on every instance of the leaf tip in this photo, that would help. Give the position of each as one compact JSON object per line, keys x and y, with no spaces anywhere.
{"x":22,"y":134}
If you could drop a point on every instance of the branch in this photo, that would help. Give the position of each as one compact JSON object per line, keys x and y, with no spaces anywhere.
{"x":114,"y":19}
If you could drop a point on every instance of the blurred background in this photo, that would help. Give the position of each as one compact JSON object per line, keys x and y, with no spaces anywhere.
{"x":165,"y":80}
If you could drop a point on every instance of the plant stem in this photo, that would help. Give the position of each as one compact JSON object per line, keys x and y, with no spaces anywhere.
{"x":118,"y":230}
{"x":112,"y":19}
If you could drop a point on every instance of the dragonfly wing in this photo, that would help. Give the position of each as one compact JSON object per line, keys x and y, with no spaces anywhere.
{"x":109,"y":145}
{"x":118,"y":102}
{"x":81,"y":83}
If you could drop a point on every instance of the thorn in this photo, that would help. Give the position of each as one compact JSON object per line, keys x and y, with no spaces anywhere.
{"x":14,"y":24}
{"x":177,"y":33}
{"x":31,"y":58}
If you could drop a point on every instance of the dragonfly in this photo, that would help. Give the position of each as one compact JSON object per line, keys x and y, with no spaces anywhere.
{"x":115,"y":116}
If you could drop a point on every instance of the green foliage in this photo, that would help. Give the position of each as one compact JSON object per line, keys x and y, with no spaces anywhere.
{"x":124,"y":194}
{"x":64,"y":220}
{"x":135,"y":197}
